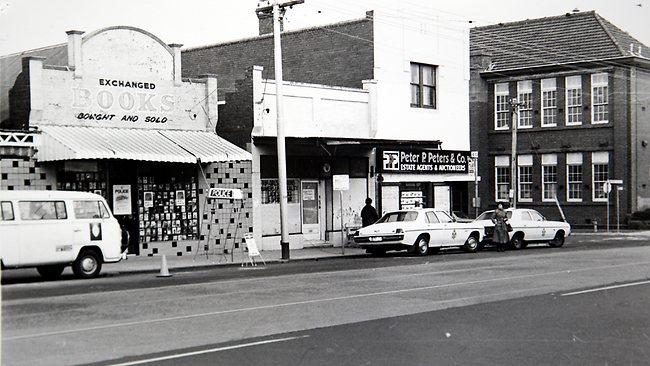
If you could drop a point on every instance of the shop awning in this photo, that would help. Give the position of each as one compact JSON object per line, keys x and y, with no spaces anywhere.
{"x":207,"y":146}
{"x":78,"y":143}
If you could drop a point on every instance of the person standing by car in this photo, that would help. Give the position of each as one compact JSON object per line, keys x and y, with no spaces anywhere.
{"x":500,"y":236}
{"x":368,"y":214}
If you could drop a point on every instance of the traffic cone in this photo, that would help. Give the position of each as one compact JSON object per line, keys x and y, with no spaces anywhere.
{"x":164,"y":272}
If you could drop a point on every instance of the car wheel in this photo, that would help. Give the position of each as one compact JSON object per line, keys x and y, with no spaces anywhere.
{"x":471,"y":245}
{"x":421,"y":246}
{"x":517,"y":242}
{"x":87,"y":265}
{"x":51,"y":272}
{"x":558,"y":241}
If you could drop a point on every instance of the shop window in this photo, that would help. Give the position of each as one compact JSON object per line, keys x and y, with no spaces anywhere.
{"x":93,"y":182}
{"x":599,"y":98}
{"x":42,"y":210}
{"x":525,"y":97}
{"x":423,"y":85}
{"x":549,"y":103}
{"x":600,"y":174}
{"x":7,"y":211}
{"x":574,"y":100}
{"x":501,"y":110}
{"x":271,"y":191}
{"x":168,"y":207}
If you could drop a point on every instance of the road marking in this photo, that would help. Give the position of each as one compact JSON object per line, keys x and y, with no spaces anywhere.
{"x":605,"y":288}
{"x":211,"y":350}
{"x":305,"y":302}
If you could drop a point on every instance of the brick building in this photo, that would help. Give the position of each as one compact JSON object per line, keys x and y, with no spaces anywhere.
{"x":109,"y":112}
{"x":360,"y":95}
{"x":585,"y":86}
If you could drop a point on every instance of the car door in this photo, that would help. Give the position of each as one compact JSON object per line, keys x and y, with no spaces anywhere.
{"x":434,"y":227}
{"x":541,"y":229}
{"x":527,"y":226}
{"x":448,"y":233}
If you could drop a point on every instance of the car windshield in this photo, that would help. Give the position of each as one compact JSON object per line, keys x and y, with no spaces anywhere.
{"x":487,"y":215}
{"x":399,"y":216}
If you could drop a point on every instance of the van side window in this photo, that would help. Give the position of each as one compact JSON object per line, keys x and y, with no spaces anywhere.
{"x":90,"y":210}
{"x":42,"y":210}
{"x":7,"y":211}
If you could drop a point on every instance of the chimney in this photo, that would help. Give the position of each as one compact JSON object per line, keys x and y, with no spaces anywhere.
{"x":266,"y":23}
{"x":176,"y":49}
{"x":74,"y":52}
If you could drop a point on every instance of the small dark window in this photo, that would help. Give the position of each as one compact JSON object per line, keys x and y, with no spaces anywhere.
{"x":7,"y":211}
{"x":423,"y":85}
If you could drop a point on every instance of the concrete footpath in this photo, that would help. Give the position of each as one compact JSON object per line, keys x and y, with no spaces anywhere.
{"x":135,"y":264}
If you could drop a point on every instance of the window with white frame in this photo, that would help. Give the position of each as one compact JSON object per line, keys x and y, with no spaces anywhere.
{"x":574,"y":177}
{"x":525,"y":97}
{"x":501,"y":110}
{"x":549,"y":177}
{"x":599,"y":175}
{"x":423,"y":85}
{"x":549,"y":103}
{"x":525,"y":181}
{"x":501,"y":178}
{"x":574,"y":100}
{"x":599,"y":98}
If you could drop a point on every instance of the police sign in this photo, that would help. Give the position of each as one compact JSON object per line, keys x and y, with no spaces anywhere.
{"x":225,"y":193}
{"x":423,"y":161}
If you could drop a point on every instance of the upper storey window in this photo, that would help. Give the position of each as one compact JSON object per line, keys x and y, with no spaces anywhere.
{"x":423,"y":85}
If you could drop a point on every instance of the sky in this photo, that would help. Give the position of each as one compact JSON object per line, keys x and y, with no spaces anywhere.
{"x":29,"y":24}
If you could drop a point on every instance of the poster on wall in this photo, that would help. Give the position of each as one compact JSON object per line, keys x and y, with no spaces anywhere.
{"x":180,"y":198}
{"x":411,"y":199}
{"x":148,"y":199}
{"x":121,"y":199}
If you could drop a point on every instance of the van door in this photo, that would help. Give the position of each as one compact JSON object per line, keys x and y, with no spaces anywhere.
{"x":46,"y":235}
{"x":89,"y":222}
{"x":10,"y":234}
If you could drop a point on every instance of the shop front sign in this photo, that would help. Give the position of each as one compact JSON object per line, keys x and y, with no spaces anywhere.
{"x":421,"y":161}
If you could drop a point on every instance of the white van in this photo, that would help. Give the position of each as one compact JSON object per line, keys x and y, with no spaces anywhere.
{"x":50,"y":230}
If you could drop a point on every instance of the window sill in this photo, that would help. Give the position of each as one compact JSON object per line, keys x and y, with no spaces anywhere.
{"x":423,"y":107}
{"x":600,"y":123}
{"x":555,"y":128}
{"x":524,"y":127}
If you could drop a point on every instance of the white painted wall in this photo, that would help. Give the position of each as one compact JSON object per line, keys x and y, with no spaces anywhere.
{"x":312,"y":110}
{"x":398,"y":43}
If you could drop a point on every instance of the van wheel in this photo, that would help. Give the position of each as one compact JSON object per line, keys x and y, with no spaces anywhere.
{"x":51,"y":272}
{"x":87,"y":265}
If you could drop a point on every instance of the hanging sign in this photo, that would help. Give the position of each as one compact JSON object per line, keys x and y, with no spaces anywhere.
{"x":121,"y":199}
{"x":226,"y":193}
{"x":148,"y":199}
{"x":341,"y":182}
{"x":423,"y":161}
{"x":180,"y":198}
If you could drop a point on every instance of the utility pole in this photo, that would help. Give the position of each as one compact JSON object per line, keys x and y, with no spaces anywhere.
{"x":277,"y":7}
{"x":514,"y":111}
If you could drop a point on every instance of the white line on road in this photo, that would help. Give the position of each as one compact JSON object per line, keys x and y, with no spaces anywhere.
{"x":605,"y":288}
{"x":305,"y":302}
{"x":211,"y":350}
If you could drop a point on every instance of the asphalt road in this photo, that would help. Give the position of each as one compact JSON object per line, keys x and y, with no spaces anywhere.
{"x":607,"y":327}
{"x":370,"y":310}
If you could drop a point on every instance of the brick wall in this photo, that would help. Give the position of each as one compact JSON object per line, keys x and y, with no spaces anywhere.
{"x":339,"y":54}
{"x":640,"y":134}
{"x":612,"y":137}
{"x":26,"y":173}
{"x":226,"y":229}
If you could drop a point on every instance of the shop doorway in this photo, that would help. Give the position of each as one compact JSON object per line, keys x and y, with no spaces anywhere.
{"x":310,"y":209}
